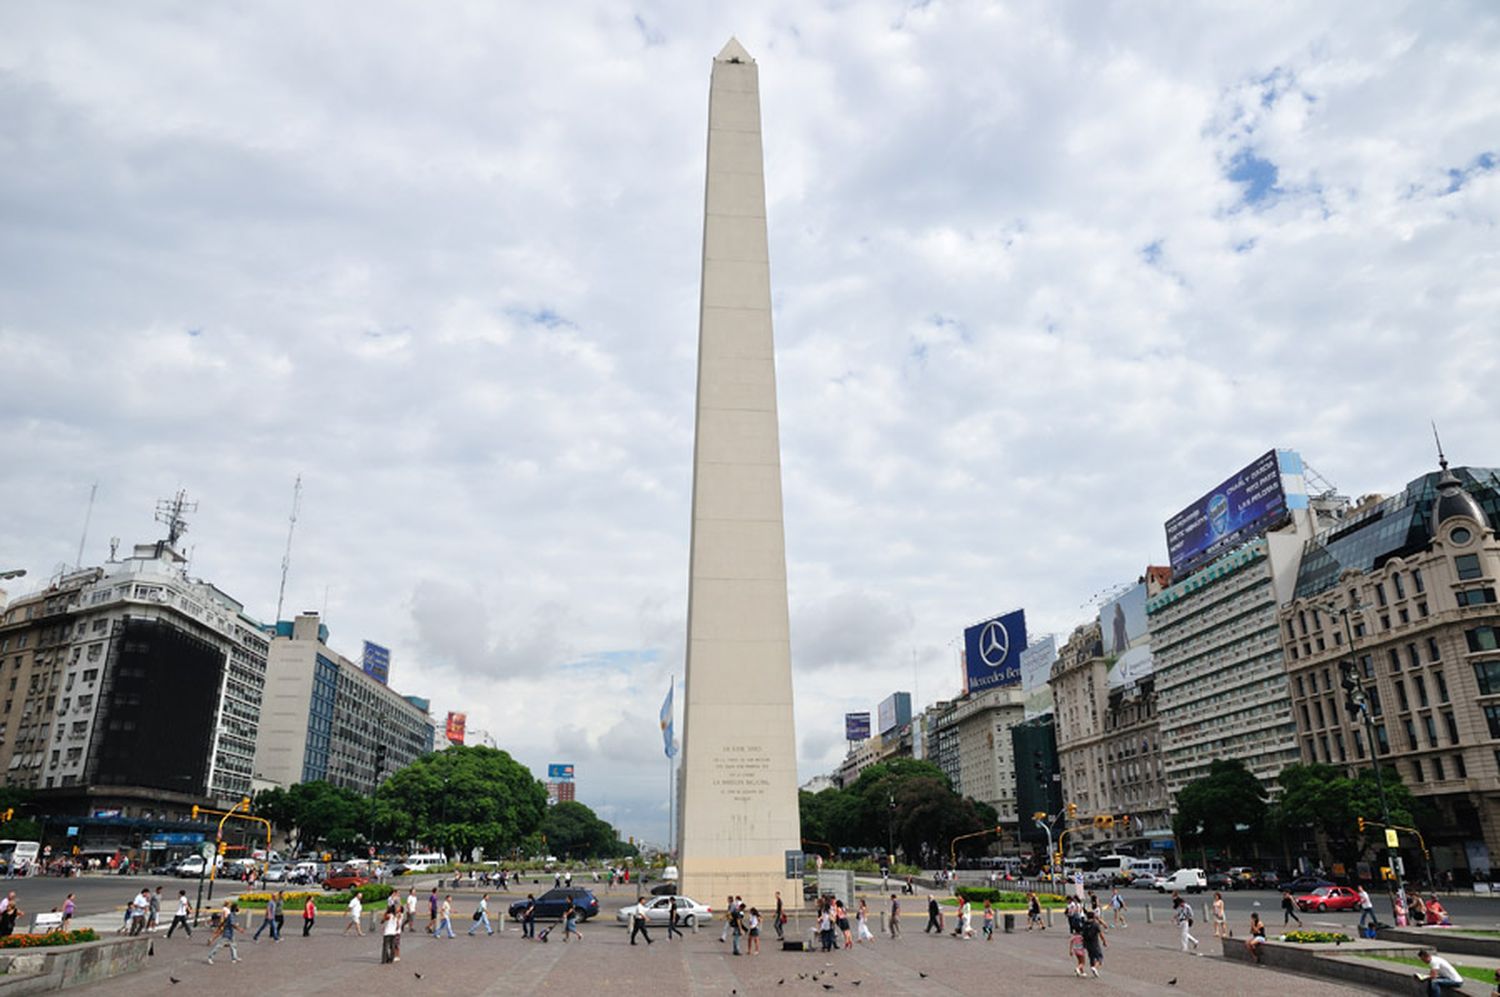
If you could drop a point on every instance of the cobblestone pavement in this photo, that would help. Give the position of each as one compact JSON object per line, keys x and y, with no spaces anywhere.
{"x":1142,"y":959}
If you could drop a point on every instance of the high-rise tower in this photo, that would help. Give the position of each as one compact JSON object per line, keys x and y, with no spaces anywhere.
{"x":739,"y":769}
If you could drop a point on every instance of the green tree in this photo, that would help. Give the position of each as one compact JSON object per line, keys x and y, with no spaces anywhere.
{"x":460,"y":799}
{"x":1223,"y":808}
{"x":575,"y":831}
{"x":1328,"y":800}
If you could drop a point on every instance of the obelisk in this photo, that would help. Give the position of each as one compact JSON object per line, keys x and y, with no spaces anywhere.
{"x":739,"y":759}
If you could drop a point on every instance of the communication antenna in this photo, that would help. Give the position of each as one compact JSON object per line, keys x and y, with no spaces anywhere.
{"x":286,"y":559}
{"x":1442,"y":460}
{"x":78,"y":566}
{"x":114,"y":545}
{"x":169,"y":513}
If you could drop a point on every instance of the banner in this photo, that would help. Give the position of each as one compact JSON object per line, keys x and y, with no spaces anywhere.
{"x":1240,"y":509}
{"x":455,"y":728}
{"x":377,"y":663}
{"x":992,"y":651}
{"x":856,"y":726}
{"x":560,"y":772}
{"x":666,"y":721}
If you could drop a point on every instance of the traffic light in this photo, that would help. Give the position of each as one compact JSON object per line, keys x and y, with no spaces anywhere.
{"x":195,"y":811}
{"x":1361,"y":821}
{"x":1039,"y":815}
{"x":1072,"y":811}
{"x":1057,"y":859}
{"x":379,"y":759}
{"x":1104,"y":822}
{"x":1353,"y":694}
{"x":223,"y":847}
{"x":1125,"y":821}
{"x":10,"y":814}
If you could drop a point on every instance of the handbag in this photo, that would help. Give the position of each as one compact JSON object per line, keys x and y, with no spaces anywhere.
{"x":476,"y":915}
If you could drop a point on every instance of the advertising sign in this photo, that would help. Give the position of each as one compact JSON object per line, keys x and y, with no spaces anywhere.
{"x":856,"y":726}
{"x":559,"y":772}
{"x":1240,"y":509}
{"x":455,"y":728}
{"x":1122,"y":620}
{"x":377,"y":663}
{"x":992,"y":651}
{"x":894,"y":711}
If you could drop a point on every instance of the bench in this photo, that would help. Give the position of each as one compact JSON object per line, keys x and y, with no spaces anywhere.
{"x":45,"y":923}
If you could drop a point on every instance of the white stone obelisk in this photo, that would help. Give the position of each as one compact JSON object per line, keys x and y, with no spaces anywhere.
{"x":739,"y":759}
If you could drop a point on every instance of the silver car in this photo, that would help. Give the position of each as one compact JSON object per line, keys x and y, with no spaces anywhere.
{"x":659,"y":911}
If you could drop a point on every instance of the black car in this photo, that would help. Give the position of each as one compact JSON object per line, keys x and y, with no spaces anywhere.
{"x":1220,"y":881}
{"x":1268,"y":880}
{"x":551,"y":905}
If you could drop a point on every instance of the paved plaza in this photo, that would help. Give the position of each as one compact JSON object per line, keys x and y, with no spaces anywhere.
{"x":1142,"y":959}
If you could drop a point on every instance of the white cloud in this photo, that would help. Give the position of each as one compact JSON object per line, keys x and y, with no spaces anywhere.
{"x":443,"y":263}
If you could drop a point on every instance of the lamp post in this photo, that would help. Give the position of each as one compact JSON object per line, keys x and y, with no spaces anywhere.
{"x":890,"y":831}
{"x":1358,"y":705}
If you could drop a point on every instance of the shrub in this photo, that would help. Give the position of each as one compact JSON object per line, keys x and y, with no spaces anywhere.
{"x":49,"y":940}
{"x":979,"y":894}
{"x":370,"y":893}
{"x":1312,"y":937}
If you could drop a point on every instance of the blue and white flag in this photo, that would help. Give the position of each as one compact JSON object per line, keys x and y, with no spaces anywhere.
{"x":666,"y":721}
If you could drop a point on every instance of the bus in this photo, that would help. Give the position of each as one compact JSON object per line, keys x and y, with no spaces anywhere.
{"x":18,"y":857}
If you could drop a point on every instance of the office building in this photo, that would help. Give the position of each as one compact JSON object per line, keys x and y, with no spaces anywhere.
{"x":1405,"y":590}
{"x":970,"y":740}
{"x":1038,"y":780}
{"x":326,"y":718}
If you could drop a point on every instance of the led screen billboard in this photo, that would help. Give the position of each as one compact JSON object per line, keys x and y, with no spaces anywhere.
{"x":561,"y":773}
{"x":856,"y":726}
{"x":377,"y":663}
{"x":1241,"y":508}
{"x":1122,"y":620}
{"x":455,"y":728}
{"x":992,"y":651}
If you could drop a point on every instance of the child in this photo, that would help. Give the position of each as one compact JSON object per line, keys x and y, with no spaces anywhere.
{"x":989,"y":922}
{"x":1080,"y":955}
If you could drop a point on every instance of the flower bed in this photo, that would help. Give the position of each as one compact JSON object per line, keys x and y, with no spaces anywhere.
{"x":979,"y":894}
{"x":370,"y":893}
{"x":50,"y":939}
{"x":1313,"y":937}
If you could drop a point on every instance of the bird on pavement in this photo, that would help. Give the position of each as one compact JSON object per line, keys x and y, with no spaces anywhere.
{"x":1172,"y":982}
{"x":174,"y":979}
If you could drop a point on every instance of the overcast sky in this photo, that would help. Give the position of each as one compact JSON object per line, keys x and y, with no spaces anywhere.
{"x":1043,"y":273}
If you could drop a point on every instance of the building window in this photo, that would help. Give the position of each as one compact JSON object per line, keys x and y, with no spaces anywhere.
{"x":1379,"y":594}
{"x":1467,"y":565}
{"x":1487,"y":675}
{"x":1367,"y":666}
{"x":1394,"y":657}
{"x":1306,"y":719}
{"x":1459,"y":767}
{"x":1442,"y":686}
{"x":1437,"y":770}
{"x":1385,"y":621}
{"x":1359,"y":629}
{"x":1327,"y":680}
{"x":1321,"y":645}
{"x":1422,"y":609}
{"x":1416,"y":768}
{"x":1412,"y":656}
{"x":1323,"y":743}
{"x":1405,"y":616}
{"x":1338,"y":742}
{"x":1492,"y":717}
{"x":1401,"y":696}
{"x":1300,"y":691}
{"x":1421,"y":688}
{"x":1291,"y":631}
{"x":1318,"y":708}
{"x":1483,"y":639}
{"x":1431,"y":729}
{"x":1452,"y":724}
{"x":1416,"y":580}
{"x":1476,"y":597}
{"x":1411,"y":733}
{"x":1400,"y":588}
{"x":1302,"y":622}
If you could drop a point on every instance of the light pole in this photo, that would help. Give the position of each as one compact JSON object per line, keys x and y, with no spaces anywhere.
{"x":890,"y":831}
{"x":1358,"y":705}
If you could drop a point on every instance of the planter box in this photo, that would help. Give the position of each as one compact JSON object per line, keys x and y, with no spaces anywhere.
{"x":34,"y":971}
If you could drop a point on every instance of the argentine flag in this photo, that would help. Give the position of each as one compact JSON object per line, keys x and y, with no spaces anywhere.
{"x":666,"y":721}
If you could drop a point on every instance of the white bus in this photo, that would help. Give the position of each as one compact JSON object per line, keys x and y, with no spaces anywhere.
{"x":17,"y":857}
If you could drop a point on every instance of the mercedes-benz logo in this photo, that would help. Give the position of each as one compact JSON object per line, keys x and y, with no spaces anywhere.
{"x":994,"y":644}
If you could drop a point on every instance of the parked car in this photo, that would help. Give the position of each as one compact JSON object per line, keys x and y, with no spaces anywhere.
{"x":344,"y":878}
{"x":550,"y":905}
{"x":1184,"y":881}
{"x":1326,"y":898}
{"x":193,"y":866}
{"x":1268,"y":879}
{"x":1222,"y":881}
{"x":1306,"y":884}
{"x":1146,"y":881}
{"x":277,"y":872}
{"x":1244,"y":877}
{"x":659,"y":911}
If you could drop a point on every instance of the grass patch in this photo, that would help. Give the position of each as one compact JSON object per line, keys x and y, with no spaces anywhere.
{"x":1479,"y":974}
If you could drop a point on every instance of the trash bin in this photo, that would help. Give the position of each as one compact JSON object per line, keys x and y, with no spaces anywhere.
{"x":1010,"y":924}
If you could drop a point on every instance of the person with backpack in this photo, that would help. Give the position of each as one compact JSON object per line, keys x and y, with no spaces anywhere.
{"x":482,"y":916}
{"x":224,"y":933}
{"x":1183,"y":914}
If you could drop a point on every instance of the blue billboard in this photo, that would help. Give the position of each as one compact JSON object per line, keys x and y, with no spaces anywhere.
{"x":377,"y":663}
{"x":1240,"y":509}
{"x":992,"y":651}
{"x":559,"y":773}
{"x":856,"y":726}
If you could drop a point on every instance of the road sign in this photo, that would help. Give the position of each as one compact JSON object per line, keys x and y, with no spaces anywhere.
{"x":1391,"y":838}
{"x":207,"y":849}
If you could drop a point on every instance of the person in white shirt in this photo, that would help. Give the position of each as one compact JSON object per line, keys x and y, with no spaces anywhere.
{"x":356,"y":911}
{"x":1440,"y":974}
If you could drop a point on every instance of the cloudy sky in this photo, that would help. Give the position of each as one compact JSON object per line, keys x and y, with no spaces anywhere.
{"x":1043,"y":273}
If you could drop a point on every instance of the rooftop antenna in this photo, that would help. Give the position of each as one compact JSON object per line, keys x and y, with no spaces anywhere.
{"x":169,"y":513}
{"x":78,"y":566}
{"x":1442,"y":460}
{"x":114,"y":545}
{"x":286,"y":559}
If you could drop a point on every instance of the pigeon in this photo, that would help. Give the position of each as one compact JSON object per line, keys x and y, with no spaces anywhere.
{"x":781,"y":981}
{"x":921,"y":974}
{"x":174,"y":979}
{"x":828,"y":986}
{"x":1172,"y":982}
{"x":856,"y":982}
{"x":417,"y":975}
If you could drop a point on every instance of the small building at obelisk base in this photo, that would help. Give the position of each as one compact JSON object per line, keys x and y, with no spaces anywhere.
{"x":739,"y":761}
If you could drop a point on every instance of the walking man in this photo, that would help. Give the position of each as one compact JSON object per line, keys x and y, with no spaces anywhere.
{"x":638,"y":921}
{"x":934,"y":916}
{"x":1184,"y":918}
{"x":1366,"y":907}
{"x":180,"y":919}
{"x":411,"y":910}
{"x":269,"y":922}
{"x":780,"y":918}
{"x":528,"y":918}
{"x":356,"y":912}
{"x":1117,"y":905}
{"x":432,"y":910}
{"x":482,"y":916}
{"x":895,"y":917}
{"x":728,"y":919}
{"x":154,"y":913}
{"x":445,"y":918}
{"x":227,"y":925}
{"x":140,"y":908}
{"x":390,"y":932}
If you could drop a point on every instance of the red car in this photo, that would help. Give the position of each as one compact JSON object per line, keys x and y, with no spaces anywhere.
{"x":344,"y":879}
{"x":1326,"y":898}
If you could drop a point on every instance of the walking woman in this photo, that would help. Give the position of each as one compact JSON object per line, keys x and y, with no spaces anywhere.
{"x":780,"y":918}
{"x":309,"y":915}
{"x":862,"y":923}
{"x":1183,"y":914}
{"x":1221,"y":927}
{"x":570,"y":922}
{"x":1034,"y":912}
{"x":1289,"y":909}
{"x":989,"y":922}
{"x":841,"y":915}
{"x":754,"y":931}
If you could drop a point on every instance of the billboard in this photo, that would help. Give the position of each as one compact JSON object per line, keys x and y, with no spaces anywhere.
{"x":559,"y":772}
{"x":1239,"y":509}
{"x":1122,"y":620}
{"x":455,"y":728}
{"x":894,"y":711}
{"x":376,"y":662}
{"x":856,"y":726}
{"x":992,"y":651}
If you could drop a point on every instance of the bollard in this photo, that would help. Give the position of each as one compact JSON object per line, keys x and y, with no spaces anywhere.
{"x":1148,"y":914}
{"x":1049,"y":916}
{"x":500,"y":921}
{"x":884,"y":927}
{"x":1010,"y":924}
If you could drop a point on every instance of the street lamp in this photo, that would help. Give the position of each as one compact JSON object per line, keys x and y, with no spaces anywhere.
{"x":1358,"y":705}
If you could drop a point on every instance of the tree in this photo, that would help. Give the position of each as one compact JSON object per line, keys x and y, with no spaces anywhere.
{"x":1328,"y":800}
{"x":319,"y":812}
{"x":1222,"y":807}
{"x":575,"y":831}
{"x":463,"y":798}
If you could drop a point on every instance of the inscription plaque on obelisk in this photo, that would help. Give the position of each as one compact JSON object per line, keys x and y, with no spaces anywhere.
{"x":739,"y":760}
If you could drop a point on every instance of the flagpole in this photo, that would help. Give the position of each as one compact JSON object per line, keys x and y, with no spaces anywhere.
{"x":671,"y":796}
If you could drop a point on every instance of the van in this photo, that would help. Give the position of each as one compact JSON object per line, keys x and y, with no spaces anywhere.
{"x":1184,"y":881}
{"x":1147,"y":866}
{"x":422,"y":861}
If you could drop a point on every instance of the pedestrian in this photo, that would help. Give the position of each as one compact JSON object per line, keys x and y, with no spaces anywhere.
{"x":432,"y":910}
{"x":70,"y":906}
{"x":153,"y":915}
{"x":736,"y":928}
{"x":1398,"y":910}
{"x":1076,"y":948}
{"x":1366,"y":909}
{"x":1257,"y":938}
{"x":1094,"y":941}
{"x":228,"y":923}
{"x":754,"y":928}
{"x":1184,"y":917}
{"x":445,"y":918}
{"x":1440,"y":974}
{"x":958,"y":918}
{"x":672,"y":918}
{"x":1417,"y":911}
{"x":862,"y":931}
{"x":309,"y":915}
{"x":825,"y":925}
{"x":179,"y":919}
{"x":780,"y":918}
{"x":140,"y":909}
{"x":268,"y":922}
{"x":570,"y":924}
{"x":966,"y":918}
{"x":1289,"y":909}
{"x":841,"y":915}
{"x":482,"y":915}
{"x":10,"y":910}
{"x":1221,"y":926}
{"x":728,"y":918}
{"x":895,"y":917}
{"x":1034,"y":912}
{"x":989,"y":922}
{"x":934,"y":916}
{"x":1117,"y":905}
{"x":409,"y":922}
{"x":390,"y":933}
{"x":356,"y":913}
{"x":638,"y":921}
{"x":528,"y":917}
